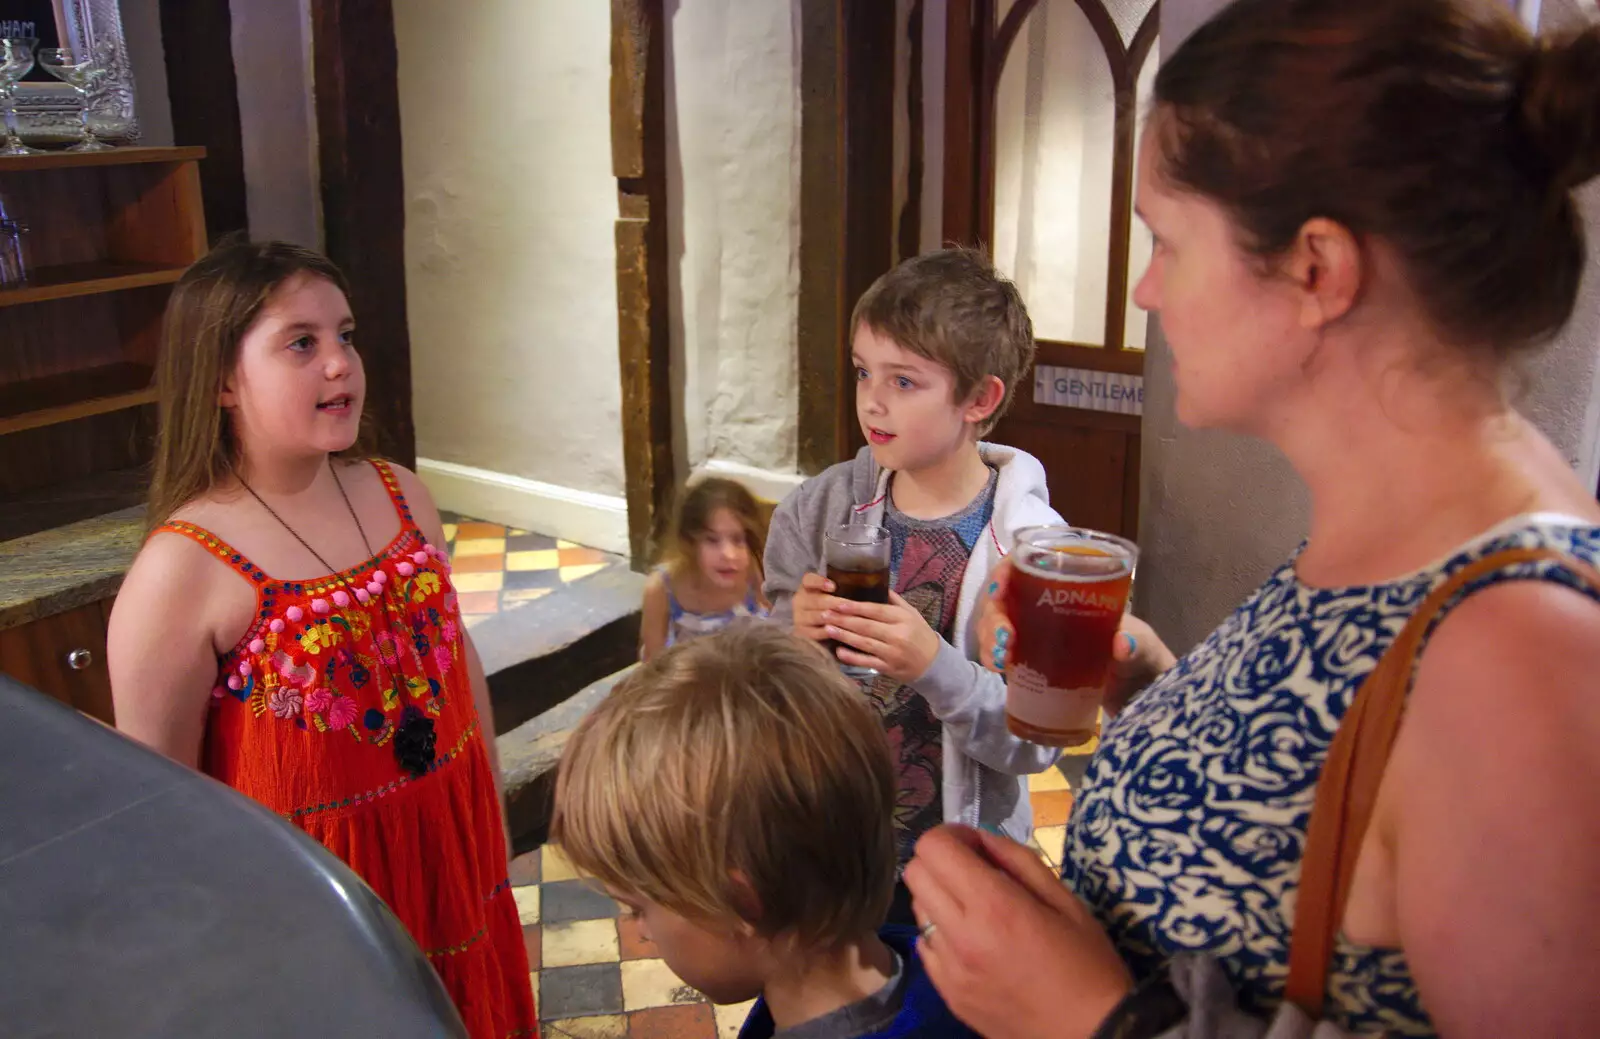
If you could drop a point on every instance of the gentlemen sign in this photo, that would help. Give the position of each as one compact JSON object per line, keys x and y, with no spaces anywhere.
{"x":1095,"y":391}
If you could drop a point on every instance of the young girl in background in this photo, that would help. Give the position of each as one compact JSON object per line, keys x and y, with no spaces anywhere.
{"x":710,"y":572}
{"x":289,"y":626}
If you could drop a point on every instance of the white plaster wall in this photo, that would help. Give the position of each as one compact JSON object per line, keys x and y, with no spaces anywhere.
{"x":277,"y":119}
{"x":510,"y":257}
{"x":1220,"y":511}
{"x":734,"y":166}
{"x":141,"y":30}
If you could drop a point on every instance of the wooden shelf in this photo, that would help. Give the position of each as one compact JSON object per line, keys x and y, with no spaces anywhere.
{"x":66,"y":280}
{"x":73,"y":395}
{"x":73,"y":500}
{"x":114,"y":157}
{"x":112,"y":232}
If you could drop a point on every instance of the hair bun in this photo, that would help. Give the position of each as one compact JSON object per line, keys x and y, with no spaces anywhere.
{"x":1561,"y":105}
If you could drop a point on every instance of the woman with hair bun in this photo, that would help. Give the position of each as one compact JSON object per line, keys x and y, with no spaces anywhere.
{"x":1363,"y":214}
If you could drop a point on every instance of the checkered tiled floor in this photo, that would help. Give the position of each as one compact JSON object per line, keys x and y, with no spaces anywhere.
{"x":497,"y":568}
{"x":597,"y":978}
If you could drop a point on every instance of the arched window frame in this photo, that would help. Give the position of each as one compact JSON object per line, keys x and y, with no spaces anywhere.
{"x":991,"y":45}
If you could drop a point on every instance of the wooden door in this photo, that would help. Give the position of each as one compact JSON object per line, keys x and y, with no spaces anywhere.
{"x":1042,"y":99}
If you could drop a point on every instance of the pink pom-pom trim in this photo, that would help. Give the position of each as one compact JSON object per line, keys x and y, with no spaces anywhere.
{"x":295,"y":614}
{"x":405,"y":569}
{"x":419,"y":557}
{"x":276,"y":627}
{"x":244,"y":667}
{"x":362,"y":595}
{"x":235,"y":682}
{"x":256,"y":645}
{"x":319,"y":606}
{"x":380,"y":576}
{"x":341,"y":598}
{"x":374,"y":588}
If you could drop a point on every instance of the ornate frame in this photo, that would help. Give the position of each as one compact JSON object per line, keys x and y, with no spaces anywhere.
{"x":48,"y":112}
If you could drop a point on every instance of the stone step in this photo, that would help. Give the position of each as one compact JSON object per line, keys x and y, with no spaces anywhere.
{"x":540,"y":654}
{"x":529,"y":755}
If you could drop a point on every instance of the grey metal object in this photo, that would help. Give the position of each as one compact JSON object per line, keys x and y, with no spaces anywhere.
{"x":80,"y":659}
{"x":141,"y":899}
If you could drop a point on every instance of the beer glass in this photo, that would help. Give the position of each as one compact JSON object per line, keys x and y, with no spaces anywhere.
{"x":856,"y":559}
{"x":1068,"y":590}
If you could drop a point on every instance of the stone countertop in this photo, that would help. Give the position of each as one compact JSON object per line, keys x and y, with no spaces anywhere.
{"x":56,"y":570}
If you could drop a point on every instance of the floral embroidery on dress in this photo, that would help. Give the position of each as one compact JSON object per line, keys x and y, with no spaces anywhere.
{"x":393,"y":618}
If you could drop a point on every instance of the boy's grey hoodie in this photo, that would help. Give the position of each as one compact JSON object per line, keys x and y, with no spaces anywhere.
{"x":983,"y":761}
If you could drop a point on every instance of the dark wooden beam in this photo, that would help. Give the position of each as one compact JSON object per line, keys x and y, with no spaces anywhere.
{"x":847,"y":219}
{"x":869,"y":231}
{"x":197,"y":37}
{"x":639,"y":162}
{"x":909,"y":230}
{"x":363,"y":198}
{"x":822,"y":306}
{"x":962,"y":79}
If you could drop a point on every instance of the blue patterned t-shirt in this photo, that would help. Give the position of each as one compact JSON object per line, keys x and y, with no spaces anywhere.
{"x":928,"y":560}
{"x":1188,"y":831}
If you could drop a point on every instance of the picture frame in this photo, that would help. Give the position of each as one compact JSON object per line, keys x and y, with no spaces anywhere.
{"x":47,"y":112}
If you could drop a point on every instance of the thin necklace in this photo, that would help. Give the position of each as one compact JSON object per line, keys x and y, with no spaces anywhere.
{"x":414,"y":737}
{"x":296,"y":534}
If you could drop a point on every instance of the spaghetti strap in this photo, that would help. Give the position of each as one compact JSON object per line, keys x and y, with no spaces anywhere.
{"x":219,"y":548}
{"x":397,"y":497}
{"x":674,"y":608}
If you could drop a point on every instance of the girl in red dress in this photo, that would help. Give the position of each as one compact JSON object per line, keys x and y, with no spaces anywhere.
{"x":289,"y":627}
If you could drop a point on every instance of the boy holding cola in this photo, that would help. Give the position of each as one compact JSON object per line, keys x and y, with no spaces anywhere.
{"x":940,"y":345}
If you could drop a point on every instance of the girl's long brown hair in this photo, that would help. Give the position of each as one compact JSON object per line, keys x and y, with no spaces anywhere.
{"x":213,"y":305}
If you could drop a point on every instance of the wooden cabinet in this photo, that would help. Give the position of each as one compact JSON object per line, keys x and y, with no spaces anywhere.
{"x":65,"y":657}
{"x":108,"y":235}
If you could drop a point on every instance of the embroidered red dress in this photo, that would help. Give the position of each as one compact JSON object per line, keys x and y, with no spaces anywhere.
{"x":324,"y":712}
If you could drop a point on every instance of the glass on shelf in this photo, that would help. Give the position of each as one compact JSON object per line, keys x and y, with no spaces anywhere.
{"x":16,"y":61}
{"x":13,"y":262}
{"x":82,"y":75}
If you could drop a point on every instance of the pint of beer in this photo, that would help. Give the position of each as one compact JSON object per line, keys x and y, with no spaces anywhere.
{"x":856,"y":558}
{"x":1066,"y":597}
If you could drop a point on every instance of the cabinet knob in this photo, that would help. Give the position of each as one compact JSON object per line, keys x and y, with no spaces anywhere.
{"x":80,"y":659}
